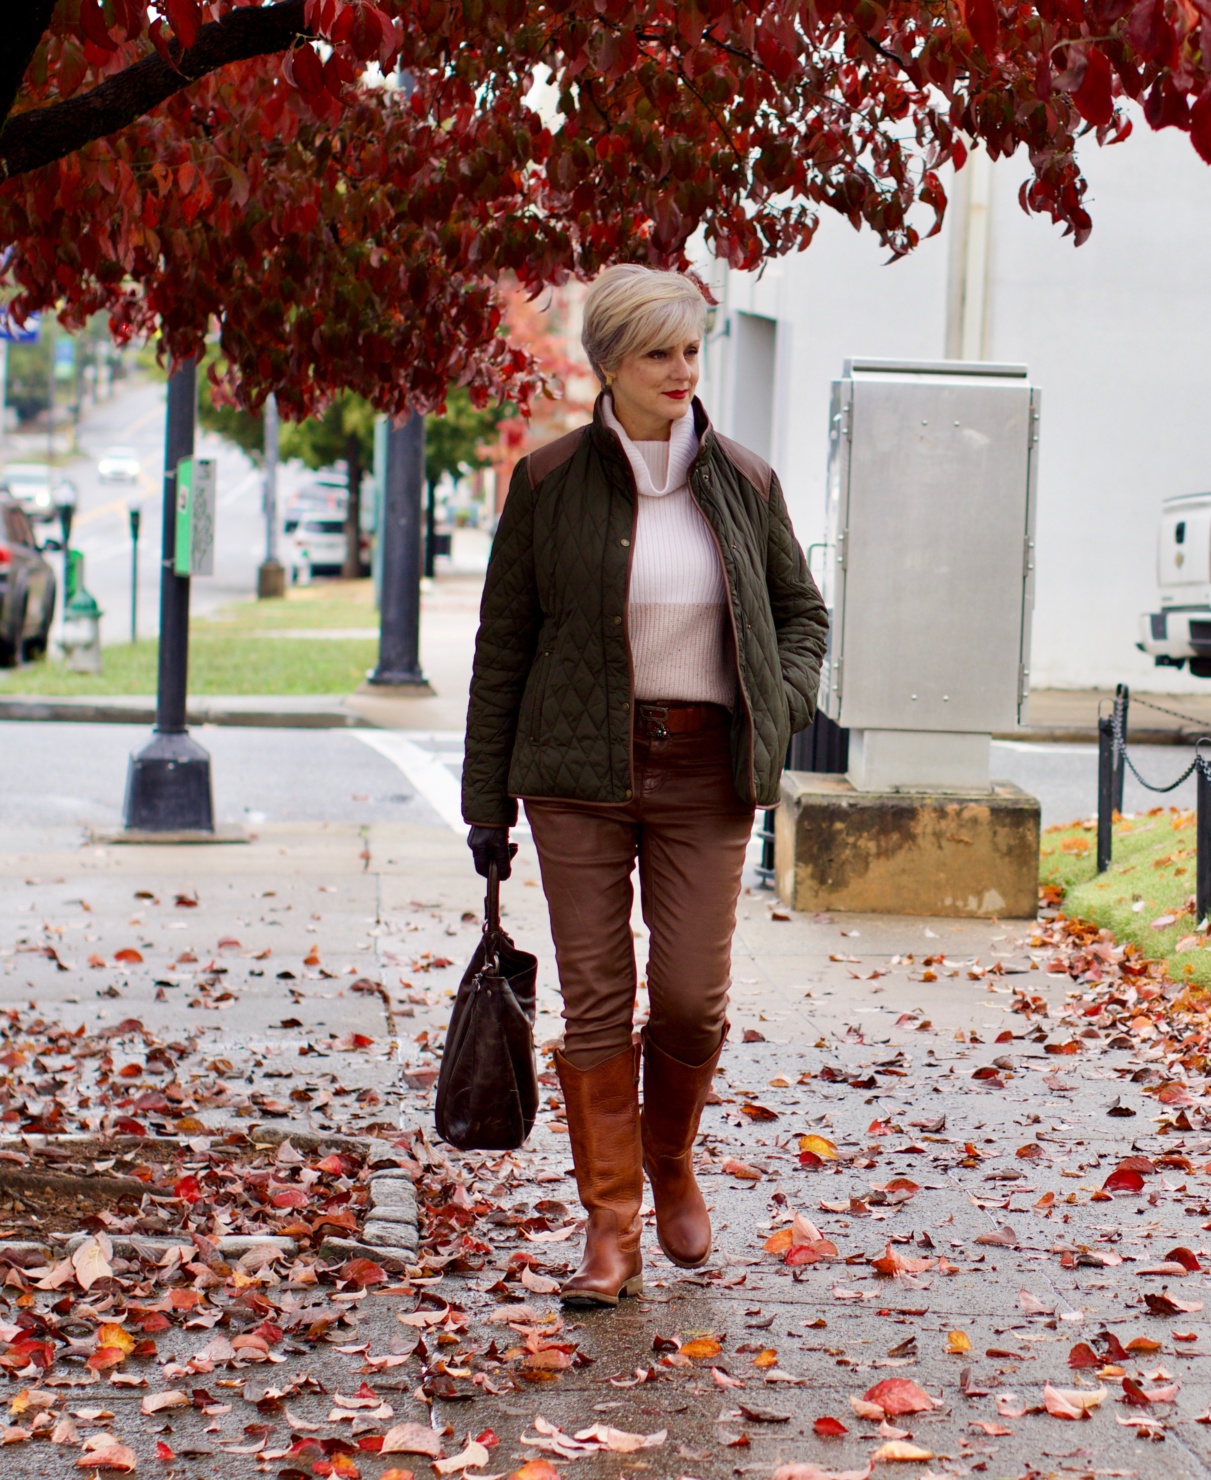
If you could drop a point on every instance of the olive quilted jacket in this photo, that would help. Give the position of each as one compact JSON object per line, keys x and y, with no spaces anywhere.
{"x":551,"y":692}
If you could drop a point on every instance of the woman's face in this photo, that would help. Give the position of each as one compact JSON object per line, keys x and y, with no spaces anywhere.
{"x":654,"y":388}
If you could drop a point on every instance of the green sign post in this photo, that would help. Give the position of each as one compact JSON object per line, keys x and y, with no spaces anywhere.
{"x":196,"y":485}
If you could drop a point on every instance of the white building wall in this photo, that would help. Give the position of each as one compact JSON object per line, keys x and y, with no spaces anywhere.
{"x":1116,"y":334}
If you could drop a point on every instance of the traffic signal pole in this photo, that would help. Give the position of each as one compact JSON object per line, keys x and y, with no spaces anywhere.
{"x":168,"y":782}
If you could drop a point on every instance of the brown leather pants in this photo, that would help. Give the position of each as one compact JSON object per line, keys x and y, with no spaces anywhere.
{"x":689,"y":831}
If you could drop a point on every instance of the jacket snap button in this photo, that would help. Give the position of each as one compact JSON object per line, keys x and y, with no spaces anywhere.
{"x":624,"y":543}
{"x":628,"y":795}
{"x":618,"y":621}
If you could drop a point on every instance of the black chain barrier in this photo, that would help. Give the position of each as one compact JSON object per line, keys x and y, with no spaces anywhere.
{"x":1114,"y":760}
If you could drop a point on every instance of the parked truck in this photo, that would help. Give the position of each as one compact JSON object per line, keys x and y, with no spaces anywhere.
{"x":1180,"y":633}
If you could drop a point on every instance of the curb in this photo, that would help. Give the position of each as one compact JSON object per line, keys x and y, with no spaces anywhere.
{"x":1075,"y":735}
{"x":390,"y":1231}
{"x":115,"y":711}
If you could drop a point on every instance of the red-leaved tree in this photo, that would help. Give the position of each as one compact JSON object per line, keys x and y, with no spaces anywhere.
{"x":178,"y":164}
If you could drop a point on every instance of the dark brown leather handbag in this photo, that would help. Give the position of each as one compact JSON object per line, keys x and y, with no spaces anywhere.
{"x":487,"y":1090}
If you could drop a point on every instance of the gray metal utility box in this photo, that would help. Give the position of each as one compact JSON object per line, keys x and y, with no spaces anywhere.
{"x":930,"y":569}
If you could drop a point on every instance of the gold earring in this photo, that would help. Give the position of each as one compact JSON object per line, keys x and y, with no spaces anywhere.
{"x":609,"y":381}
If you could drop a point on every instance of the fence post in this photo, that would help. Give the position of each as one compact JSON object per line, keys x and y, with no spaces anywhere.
{"x":1202,"y":897}
{"x":1122,"y":699}
{"x":1105,"y":793}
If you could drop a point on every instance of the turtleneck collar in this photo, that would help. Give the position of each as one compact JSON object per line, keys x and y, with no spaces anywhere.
{"x":682,"y":449}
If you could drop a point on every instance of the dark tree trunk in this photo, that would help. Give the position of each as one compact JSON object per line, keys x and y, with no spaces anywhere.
{"x":352,"y":568}
{"x":42,"y":135}
{"x":431,"y":529}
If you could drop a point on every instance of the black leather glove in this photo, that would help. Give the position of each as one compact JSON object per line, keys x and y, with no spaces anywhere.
{"x":491,"y":845}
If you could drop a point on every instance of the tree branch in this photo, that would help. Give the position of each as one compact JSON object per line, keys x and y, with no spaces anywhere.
{"x":42,"y":135}
{"x":26,"y":30}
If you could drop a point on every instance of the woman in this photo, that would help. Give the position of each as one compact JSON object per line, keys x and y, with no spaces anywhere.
{"x":649,"y":640}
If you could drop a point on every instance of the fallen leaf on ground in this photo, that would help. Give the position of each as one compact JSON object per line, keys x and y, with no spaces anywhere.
{"x":897,"y":1396}
{"x":154,"y":1402}
{"x":412,"y":1438}
{"x":91,"y":1261}
{"x":618,"y":1441}
{"x":900,"y":1449}
{"x":111,"y":1457}
{"x":826,"y":1427}
{"x":539,"y":1284}
{"x":1072,"y":1402}
{"x":957,"y":1342}
{"x":473,"y":1457}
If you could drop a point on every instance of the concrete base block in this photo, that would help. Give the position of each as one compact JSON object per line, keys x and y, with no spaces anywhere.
{"x":906,"y":853}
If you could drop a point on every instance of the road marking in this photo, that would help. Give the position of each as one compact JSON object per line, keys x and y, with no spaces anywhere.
{"x":425,"y":769}
{"x":141,"y":421}
{"x":110,"y":508}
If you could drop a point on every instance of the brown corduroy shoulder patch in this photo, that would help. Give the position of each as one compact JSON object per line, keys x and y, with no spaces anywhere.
{"x":755,"y":469}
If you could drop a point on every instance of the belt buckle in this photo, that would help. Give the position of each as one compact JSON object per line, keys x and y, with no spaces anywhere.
{"x":656,"y":716}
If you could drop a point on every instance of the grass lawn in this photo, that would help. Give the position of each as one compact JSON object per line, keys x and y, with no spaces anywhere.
{"x":1147,"y":894}
{"x":230,"y":653}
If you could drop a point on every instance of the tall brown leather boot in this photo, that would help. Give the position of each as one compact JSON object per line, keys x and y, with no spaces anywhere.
{"x":603,"y":1125}
{"x":673,"y":1096}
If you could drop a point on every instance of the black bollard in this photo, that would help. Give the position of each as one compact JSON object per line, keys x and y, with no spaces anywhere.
{"x":1105,"y":793}
{"x":1202,"y":895}
{"x":1122,"y":698}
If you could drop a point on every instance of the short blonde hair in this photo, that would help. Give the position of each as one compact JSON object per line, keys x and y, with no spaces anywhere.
{"x":631,"y":309}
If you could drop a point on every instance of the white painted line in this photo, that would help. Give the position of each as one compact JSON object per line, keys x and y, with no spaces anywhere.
{"x":429,"y":770}
{"x":425,"y":770}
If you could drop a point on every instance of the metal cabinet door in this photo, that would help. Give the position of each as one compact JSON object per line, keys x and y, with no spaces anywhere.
{"x":936,"y":539}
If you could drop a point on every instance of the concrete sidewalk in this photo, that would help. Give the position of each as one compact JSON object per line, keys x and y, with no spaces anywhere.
{"x":866,"y":1032}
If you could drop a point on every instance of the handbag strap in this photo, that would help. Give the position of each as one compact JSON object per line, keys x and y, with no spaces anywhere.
{"x":492,"y":930}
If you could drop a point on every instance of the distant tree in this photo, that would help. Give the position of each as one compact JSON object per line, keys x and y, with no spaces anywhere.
{"x":344,"y":431}
{"x":245,"y":428}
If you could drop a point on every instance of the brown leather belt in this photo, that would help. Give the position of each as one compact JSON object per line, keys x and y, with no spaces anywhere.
{"x":679,"y":719}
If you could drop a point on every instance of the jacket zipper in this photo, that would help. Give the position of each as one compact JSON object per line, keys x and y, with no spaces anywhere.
{"x":626,"y":637}
{"x":731,"y":612}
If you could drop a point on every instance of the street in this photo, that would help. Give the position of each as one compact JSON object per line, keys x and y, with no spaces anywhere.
{"x":134,"y":418}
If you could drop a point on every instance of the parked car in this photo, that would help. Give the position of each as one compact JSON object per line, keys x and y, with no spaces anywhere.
{"x":119,"y":465}
{"x":315,"y":546}
{"x":38,"y":488}
{"x":320,"y":498}
{"x":27,"y":587}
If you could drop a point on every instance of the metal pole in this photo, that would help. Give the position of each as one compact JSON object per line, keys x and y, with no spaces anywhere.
{"x":1202,"y":897}
{"x":135,"y":515}
{"x":399,"y":631}
{"x":1122,"y":699}
{"x":168,"y":781}
{"x":271,"y":577}
{"x":1105,"y":793}
{"x":431,"y":531}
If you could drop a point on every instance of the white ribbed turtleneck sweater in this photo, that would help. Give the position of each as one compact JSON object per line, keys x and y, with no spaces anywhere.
{"x":681,"y":644}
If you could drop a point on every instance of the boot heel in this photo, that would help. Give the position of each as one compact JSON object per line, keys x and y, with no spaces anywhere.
{"x":634,"y":1286}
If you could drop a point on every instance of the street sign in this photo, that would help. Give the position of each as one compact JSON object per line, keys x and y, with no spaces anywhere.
{"x":197,"y":479}
{"x":15,"y":333}
{"x":64,"y":358}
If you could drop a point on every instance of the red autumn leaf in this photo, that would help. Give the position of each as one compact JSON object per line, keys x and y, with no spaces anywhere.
{"x":1094,"y":97}
{"x":982,"y":22}
{"x":129,"y":955}
{"x":1123,"y":1180}
{"x":828,"y":1428}
{"x":1185,"y":1257}
{"x":163,"y":1451}
{"x":1083,"y":1355}
{"x":188,"y":1188}
{"x":363,"y":1272}
{"x":899,"y":1395}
